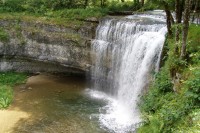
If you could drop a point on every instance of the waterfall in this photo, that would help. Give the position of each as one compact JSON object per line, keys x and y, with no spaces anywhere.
{"x":125,"y":53}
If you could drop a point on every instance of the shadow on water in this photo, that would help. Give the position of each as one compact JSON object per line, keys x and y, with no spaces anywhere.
{"x":55,"y":105}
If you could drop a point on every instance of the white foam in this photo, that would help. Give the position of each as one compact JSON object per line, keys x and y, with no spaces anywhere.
{"x":114,"y":116}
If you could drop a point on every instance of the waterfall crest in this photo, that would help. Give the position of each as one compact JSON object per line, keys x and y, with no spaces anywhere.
{"x":125,"y":52}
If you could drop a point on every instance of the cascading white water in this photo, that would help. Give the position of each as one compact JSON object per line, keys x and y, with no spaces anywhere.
{"x":125,"y":53}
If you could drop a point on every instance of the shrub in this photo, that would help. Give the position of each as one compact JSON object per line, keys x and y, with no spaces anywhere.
{"x":7,"y":81}
{"x":193,"y":85}
{"x":12,"y":6}
{"x":6,"y":95}
{"x":79,"y":13}
{"x":12,"y":78}
{"x":118,"y":6}
{"x":152,"y":100}
{"x":176,"y":111}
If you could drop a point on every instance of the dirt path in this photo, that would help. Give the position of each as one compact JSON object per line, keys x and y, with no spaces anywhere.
{"x":9,"y":119}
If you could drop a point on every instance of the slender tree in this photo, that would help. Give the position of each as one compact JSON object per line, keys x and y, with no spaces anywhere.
{"x":196,"y":5}
{"x":103,"y":3}
{"x":169,"y":17}
{"x":86,"y":3}
{"x":195,"y":10}
{"x":185,"y":27}
{"x":137,"y":4}
{"x":178,"y":11}
{"x":142,"y":3}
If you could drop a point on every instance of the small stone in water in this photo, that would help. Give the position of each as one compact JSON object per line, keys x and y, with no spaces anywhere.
{"x":29,"y":88}
{"x":22,"y":90}
{"x":22,"y":87}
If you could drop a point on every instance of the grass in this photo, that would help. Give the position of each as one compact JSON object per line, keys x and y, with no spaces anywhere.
{"x":41,"y":12}
{"x":7,"y":82}
{"x":12,"y":78}
{"x":6,"y":96}
{"x":65,"y":17}
{"x":33,"y":18}
{"x":166,"y":110}
{"x":75,"y":14}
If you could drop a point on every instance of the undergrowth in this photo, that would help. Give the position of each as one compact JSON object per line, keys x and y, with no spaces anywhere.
{"x":64,"y":10}
{"x":169,"y":107}
{"x":7,"y":82}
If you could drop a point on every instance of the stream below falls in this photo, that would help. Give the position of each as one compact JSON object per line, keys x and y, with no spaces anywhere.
{"x":52,"y":104}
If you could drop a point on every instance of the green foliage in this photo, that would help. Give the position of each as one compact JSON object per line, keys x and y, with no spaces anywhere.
{"x":194,"y":42}
{"x":11,"y":5}
{"x":174,"y":109}
{"x":190,"y":123}
{"x":12,"y":78}
{"x":6,"y":96}
{"x":35,"y":6}
{"x":150,"y":5}
{"x":43,"y":6}
{"x":55,"y":7}
{"x":164,"y":106}
{"x":125,"y":6}
{"x":38,"y":6}
{"x":4,"y":37}
{"x":7,"y":81}
{"x":193,"y":85}
{"x":78,"y":13}
{"x":162,"y":84}
{"x":156,"y":126}
{"x":158,"y":4}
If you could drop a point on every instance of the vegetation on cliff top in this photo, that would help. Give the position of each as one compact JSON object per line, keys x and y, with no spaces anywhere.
{"x":62,"y":12}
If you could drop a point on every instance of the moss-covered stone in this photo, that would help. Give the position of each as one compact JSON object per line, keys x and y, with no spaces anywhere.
{"x":4,"y":36}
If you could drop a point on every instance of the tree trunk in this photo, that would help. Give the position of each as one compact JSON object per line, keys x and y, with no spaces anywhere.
{"x":137,"y":4}
{"x":196,"y":4}
{"x":186,"y":20}
{"x":195,"y":13}
{"x":178,"y":11}
{"x":103,"y":3}
{"x":86,"y":3}
{"x":142,"y":3}
{"x":168,"y":14}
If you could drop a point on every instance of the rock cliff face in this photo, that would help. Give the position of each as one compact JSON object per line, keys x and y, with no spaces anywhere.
{"x":37,"y":47}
